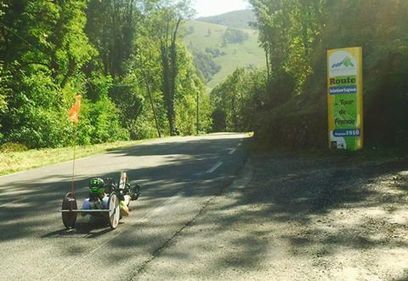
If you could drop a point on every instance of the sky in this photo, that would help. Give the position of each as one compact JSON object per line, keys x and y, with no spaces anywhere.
{"x":206,"y":8}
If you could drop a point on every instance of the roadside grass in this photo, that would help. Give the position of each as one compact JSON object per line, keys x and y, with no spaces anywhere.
{"x":12,"y":162}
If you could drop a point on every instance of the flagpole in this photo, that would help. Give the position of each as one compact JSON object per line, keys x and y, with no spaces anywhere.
{"x":73,"y":162}
{"x":73,"y":116}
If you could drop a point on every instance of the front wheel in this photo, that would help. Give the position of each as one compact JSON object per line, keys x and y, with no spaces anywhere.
{"x":134,"y":192}
{"x":114,"y":211}
{"x":69,"y":203}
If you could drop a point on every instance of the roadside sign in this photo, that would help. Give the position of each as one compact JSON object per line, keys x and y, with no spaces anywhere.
{"x":345,"y":98}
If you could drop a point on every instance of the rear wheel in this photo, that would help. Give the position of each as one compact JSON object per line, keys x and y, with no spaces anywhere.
{"x":114,"y":211}
{"x":134,"y":192}
{"x":69,"y":203}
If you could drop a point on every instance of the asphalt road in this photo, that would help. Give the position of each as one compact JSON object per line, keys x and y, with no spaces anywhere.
{"x":180,"y":178}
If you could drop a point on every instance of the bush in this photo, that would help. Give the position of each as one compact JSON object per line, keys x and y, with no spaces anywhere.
{"x":293,"y":126}
{"x":104,"y":120}
{"x":205,"y":64}
{"x":235,"y":36}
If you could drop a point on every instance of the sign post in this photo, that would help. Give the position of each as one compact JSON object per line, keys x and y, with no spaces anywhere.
{"x":345,"y":98}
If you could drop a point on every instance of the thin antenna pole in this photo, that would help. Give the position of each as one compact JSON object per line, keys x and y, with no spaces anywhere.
{"x":73,"y":161}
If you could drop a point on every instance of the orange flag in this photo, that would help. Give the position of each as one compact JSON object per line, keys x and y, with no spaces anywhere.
{"x":73,"y":114}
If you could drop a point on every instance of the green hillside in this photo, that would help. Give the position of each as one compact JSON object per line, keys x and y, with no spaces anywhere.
{"x":237,"y":19}
{"x":225,"y":47}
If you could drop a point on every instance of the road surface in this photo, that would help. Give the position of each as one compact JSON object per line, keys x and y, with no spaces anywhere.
{"x":180,"y":177}
{"x":209,"y":211}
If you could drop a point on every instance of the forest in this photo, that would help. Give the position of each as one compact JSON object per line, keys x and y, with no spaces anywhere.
{"x":126,"y":58}
{"x":137,"y":78}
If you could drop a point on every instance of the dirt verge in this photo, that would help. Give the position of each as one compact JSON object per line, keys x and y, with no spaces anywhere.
{"x":299,"y":218}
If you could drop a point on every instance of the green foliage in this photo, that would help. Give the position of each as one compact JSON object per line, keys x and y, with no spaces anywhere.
{"x":234,"y":36}
{"x":237,"y":99}
{"x":163,"y":25}
{"x":111,"y":28}
{"x":215,"y":52}
{"x":146,"y":80}
{"x":190,"y":94}
{"x":104,"y":119}
{"x":44,"y":50}
{"x":205,"y":64}
{"x":34,"y":116}
{"x":288,"y":30}
{"x":295,"y":36}
{"x":4,"y":88}
{"x":125,"y":57}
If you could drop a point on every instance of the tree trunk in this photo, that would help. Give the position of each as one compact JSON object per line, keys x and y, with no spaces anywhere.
{"x":167,"y":89}
{"x":170,"y":71}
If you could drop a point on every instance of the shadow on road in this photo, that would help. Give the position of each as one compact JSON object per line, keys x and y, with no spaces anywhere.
{"x":294,"y":207}
{"x":38,"y":201}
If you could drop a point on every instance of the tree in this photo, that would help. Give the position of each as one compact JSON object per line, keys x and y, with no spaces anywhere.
{"x":4,"y":77}
{"x":237,"y":100}
{"x":165,"y":23}
{"x":111,"y":28}
{"x":146,"y":73}
{"x":288,"y":31}
{"x":192,"y":100}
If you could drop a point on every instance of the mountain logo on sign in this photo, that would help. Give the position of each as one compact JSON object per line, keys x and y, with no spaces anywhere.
{"x":346,"y":62}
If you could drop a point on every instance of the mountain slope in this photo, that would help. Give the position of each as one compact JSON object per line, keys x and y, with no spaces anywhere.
{"x":236,"y":19}
{"x":218,"y":49}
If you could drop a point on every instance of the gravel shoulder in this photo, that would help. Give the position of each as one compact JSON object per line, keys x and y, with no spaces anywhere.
{"x":298,"y":218}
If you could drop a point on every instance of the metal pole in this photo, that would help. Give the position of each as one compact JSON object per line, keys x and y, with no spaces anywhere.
{"x":198,"y":113}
